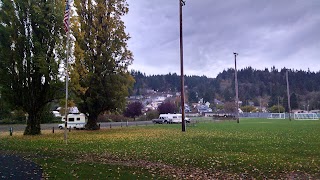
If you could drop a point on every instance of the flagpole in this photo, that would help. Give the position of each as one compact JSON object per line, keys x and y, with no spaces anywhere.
{"x":66,"y":70}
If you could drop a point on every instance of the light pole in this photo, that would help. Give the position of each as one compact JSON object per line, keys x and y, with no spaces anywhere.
{"x":236,"y":86}
{"x":288,"y":94}
{"x":278,"y":105}
{"x":182,"y":3}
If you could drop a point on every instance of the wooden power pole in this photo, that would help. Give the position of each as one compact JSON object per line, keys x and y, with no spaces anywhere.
{"x":182,"y":3}
{"x":236,"y":86}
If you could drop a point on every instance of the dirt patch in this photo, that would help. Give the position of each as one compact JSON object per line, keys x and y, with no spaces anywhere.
{"x":159,"y":168}
{"x":175,"y":172}
{"x":299,"y":175}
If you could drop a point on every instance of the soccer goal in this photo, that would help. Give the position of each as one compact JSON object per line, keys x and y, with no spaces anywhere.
{"x":277,"y":116}
{"x":305,"y":116}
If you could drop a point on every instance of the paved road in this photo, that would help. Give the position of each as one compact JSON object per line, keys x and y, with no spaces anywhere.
{"x":21,"y":127}
{"x":16,"y":167}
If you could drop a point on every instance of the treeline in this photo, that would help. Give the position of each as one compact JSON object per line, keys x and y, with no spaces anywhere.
{"x":261,"y":87}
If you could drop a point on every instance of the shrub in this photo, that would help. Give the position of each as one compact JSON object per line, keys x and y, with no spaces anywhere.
{"x":112,"y":118}
{"x":152,"y":115}
{"x":19,"y":116}
{"x":8,"y":121}
{"x":48,"y":117}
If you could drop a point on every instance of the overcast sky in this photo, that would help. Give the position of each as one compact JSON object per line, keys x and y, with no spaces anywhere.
{"x":265,"y":33}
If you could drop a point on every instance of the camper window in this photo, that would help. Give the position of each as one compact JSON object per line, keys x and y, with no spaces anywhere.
{"x":71,"y":119}
{"x":78,"y":119}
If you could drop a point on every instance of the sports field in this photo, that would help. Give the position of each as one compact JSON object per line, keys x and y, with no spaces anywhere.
{"x":254,"y":148}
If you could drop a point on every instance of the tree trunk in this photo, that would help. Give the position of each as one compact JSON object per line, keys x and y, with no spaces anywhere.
{"x":92,"y":123}
{"x":33,"y":125}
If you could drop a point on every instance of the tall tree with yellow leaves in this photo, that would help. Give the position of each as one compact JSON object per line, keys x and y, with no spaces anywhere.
{"x":99,"y":76}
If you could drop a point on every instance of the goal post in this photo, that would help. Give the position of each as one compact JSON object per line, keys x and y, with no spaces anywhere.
{"x":277,"y":116}
{"x":305,"y":116}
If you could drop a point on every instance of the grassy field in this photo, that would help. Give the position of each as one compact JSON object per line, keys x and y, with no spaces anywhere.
{"x":254,"y":148}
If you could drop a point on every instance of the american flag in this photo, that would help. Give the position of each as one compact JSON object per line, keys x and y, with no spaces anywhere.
{"x":66,"y":17}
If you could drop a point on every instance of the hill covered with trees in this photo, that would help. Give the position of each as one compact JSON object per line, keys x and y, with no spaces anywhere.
{"x":262,"y":87}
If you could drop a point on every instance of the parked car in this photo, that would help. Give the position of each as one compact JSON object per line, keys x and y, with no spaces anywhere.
{"x":159,"y":121}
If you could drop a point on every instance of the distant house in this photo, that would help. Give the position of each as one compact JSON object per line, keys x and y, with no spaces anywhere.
{"x":153,"y":105}
{"x":169,"y":95}
{"x":192,"y":114}
{"x":203,"y":108}
{"x":187,"y":108}
{"x":217,"y":102}
{"x":138,"y":97}
{"x":160,"y":99}
{"x":298,"y":111}
{"x":151,"y":91}
{"x":315,"y":111}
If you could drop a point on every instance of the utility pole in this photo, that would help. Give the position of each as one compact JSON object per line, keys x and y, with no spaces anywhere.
{"x":288,"y":94}
{"x":182,"y":3}
{"x":236,"y":86}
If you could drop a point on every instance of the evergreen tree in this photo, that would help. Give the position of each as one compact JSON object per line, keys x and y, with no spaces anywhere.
{"x":273,"y":100}
{"x":294,"y":101}
{"x":30,"y":33}
{"x":99,"y":76}
{"x":193,"y":97}
{"x":285,"y":103}
{"x":208,"y":95}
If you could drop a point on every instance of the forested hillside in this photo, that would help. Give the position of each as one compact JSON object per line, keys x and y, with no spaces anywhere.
{"x":259,"y":86}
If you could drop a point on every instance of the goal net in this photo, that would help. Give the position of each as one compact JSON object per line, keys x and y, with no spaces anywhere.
{"x":277,"y":116}
{"x":305,"y":116}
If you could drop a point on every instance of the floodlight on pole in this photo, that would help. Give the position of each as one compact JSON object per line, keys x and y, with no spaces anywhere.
{"x":236,"y":86}
{"x":182,"y":3}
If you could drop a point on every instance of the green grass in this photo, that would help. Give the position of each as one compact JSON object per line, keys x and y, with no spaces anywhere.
{"x":259,"y":148}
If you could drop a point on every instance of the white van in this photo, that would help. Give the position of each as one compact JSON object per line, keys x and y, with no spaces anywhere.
{"x":173,"y":118}
{"x":75,"y":121}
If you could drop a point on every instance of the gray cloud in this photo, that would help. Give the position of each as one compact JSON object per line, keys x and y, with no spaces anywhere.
{"x":281,"y":33}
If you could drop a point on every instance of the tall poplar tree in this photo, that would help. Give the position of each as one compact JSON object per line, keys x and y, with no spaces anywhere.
{"x":29,"y":48}
{"x":99,"y":76}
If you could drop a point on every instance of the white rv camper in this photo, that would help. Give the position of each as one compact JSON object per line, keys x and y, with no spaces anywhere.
{"x":173,"y":118}
{"x":75,"y":121}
